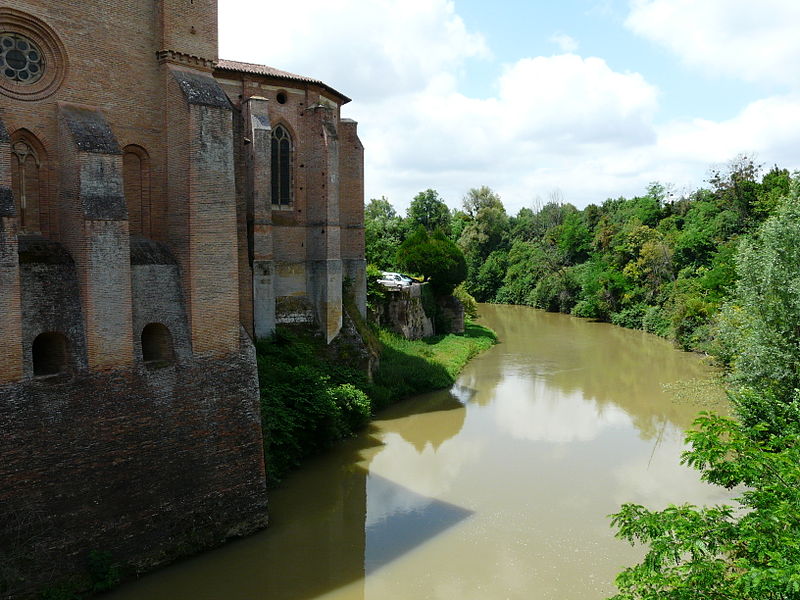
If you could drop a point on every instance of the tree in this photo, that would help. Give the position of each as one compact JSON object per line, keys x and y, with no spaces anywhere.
{"x":479,"y":198}
{"x":484,"y":233}
{"x":761,"y":320}
{"x":736,"y":186}
{"x":383,"y":232}
{"x":435,"y":257}
{"x":429,"y":210}
{"x":721,"y":552}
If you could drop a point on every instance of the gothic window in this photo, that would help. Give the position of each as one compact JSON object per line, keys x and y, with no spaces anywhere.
{"x":33,"y":61}
{"x":157,"y":350}
{"x":25,"y":181}
{"x":281,"y":167}
{"x":50,"y":354}
{"x":136,"y":178}
{"x":20,"y":59}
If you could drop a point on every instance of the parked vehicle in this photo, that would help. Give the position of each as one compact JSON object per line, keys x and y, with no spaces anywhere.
{"x":395,"y":280}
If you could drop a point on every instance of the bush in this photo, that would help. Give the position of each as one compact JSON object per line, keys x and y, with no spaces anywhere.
{"x":631,"y":317}
{"x":376,"y":292}
{"x":467,"y":301}
{"x":353,"y":408}
{"x":307,"y":401}
{"x":656,"y":321}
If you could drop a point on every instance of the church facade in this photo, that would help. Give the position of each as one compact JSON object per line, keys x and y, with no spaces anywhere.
{"x":160,"y":209}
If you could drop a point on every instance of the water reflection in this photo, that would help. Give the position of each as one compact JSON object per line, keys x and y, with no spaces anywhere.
{"x":498,"y":488}
{"x":532,"y":410}
{"x":402,"y":520}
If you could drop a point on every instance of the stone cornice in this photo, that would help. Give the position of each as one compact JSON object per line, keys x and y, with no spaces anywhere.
{"x":181,"y":58}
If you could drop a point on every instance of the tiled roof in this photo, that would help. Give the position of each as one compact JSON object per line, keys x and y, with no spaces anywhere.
{"x":243,"y":67}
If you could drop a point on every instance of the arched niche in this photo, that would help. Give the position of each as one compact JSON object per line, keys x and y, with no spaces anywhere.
{"x":51,"y":354}
{"x":157,"y":347}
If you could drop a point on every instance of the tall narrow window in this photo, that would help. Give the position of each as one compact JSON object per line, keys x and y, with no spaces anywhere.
{"x":25,"y":183}
{"x":136,"y":178}
{"x":281,"y":167}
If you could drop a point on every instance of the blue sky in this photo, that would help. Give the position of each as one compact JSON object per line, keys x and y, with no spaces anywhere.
{"x":577,"y":100}
{"x":516,"y":29}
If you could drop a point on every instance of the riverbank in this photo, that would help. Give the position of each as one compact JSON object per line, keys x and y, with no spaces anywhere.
{"x":310,"y":400}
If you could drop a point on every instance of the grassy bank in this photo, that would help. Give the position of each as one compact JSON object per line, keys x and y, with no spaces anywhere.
{"x":414,"y":366}
{"x":310,"y":400}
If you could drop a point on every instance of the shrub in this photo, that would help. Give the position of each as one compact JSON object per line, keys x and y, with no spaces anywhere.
{"x":354,"y":408}
{"x":656,"y":321}
{"x":467,"y":301}
{"x":631,"y":317}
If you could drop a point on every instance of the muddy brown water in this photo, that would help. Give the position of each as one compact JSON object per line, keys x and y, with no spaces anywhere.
{"x":498,"y":488}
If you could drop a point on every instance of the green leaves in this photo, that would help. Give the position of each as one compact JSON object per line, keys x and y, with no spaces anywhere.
{"x":435,"y":257}
{"x":748,"y":551}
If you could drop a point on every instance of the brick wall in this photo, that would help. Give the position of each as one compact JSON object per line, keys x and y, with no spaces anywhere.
{"x":146,"y":465}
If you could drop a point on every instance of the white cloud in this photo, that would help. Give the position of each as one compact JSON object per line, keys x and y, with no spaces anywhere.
{"x":564,"y":42}
{"x":754,"y":41}
{"x":366,"y":49}
{"x":548,"y":112}
{"x":533,"y":410}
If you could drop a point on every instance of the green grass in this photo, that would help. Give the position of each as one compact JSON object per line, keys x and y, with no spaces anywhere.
{"x":414,"y":366}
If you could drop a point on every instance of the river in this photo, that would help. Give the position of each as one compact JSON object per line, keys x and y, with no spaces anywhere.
{"x":498,"y":488}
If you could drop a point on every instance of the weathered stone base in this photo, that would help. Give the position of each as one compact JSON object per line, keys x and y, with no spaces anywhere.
{"x":146,"y":465}
{"x":404,"y":314}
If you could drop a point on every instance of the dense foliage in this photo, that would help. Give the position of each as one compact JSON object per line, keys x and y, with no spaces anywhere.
{"x":745,"y":553}
{"x":435,"y":257}
{"x":659,"y":262}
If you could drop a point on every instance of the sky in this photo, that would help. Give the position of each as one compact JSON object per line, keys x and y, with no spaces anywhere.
{"x":569,"y":100}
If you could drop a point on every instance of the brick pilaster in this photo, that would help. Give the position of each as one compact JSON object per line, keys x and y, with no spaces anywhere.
{"x":95,"y":225}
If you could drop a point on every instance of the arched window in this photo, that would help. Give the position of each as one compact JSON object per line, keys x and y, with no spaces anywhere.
{"x":136,"y":178}
{"x":157,"y":348}
{"x":281,"y":167}
{"x":26,"y":183}
{"x":50,"y":354}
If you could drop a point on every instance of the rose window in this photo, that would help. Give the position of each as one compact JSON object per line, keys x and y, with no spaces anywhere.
{"x":20,"y":59}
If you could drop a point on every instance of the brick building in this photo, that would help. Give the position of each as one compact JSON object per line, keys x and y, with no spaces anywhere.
{"x":159,"y":209}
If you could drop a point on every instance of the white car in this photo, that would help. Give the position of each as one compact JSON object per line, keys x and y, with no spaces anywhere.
{"x":395,"y":280}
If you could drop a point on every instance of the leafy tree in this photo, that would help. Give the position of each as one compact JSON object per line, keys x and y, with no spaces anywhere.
{"x":458,"y":222}
{"x":383,"y":232}
{"x":774,"y":186}
{"x":574,"y":239}
{"x":526,"y":265}
{"x":762,"y":317}
{"x":477,"y":199}
{"x":722,"y":552}
{"x":428,"y":210}
{"x":435,"y":257}
{"x":736,"y":187}
{"x":484,"y":234}
{"x":490,"y":276}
